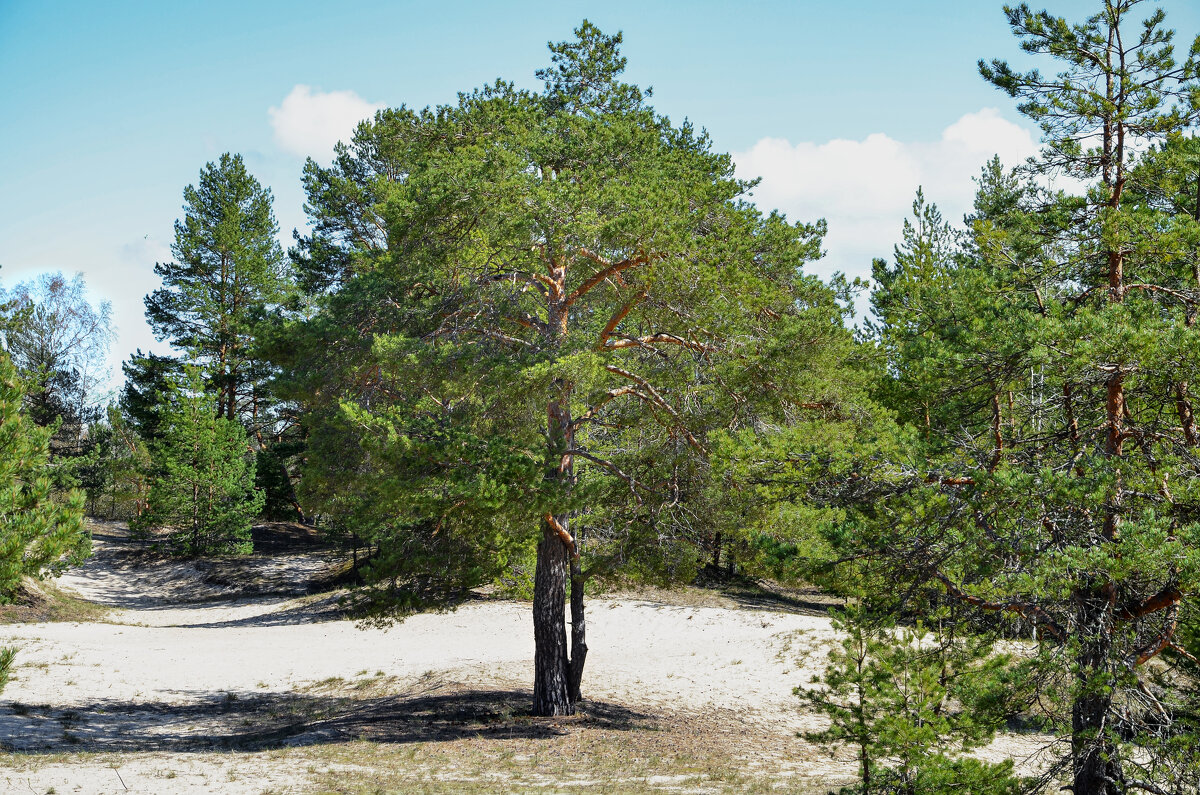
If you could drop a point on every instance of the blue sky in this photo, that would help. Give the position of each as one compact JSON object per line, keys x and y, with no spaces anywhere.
{"x":110,"y":109}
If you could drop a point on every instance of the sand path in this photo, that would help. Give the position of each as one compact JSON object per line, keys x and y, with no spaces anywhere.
{"x":179,"y":666}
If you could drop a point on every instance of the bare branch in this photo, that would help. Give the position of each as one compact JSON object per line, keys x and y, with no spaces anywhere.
{"x":1169,"y":596}
{"x":658,"y":400}
{"x":564,"y":536}
{"x":656,"y":339}
{"x":1031,"y":612}
{"x":609,"y":396}
{"x":611,"y":467}
{"x":616,"y":318}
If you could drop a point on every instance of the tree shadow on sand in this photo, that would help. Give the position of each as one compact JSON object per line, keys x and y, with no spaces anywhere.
{"x":752,"y":594}
{"x":130,"y":574}
{"x":250,"y":721}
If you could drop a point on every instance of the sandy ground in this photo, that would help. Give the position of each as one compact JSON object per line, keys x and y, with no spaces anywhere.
{"x":179,"y":672}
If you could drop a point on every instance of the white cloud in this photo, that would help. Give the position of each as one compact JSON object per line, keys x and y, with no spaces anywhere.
{"x":310,"y":122}
{"x":865,"y":189}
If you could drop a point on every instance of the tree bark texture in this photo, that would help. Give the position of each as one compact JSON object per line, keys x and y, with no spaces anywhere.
{"x":1095,"y":766}
{"x":557,"y":670}
{"x":578,"y":633}
{"x":551,"y":688}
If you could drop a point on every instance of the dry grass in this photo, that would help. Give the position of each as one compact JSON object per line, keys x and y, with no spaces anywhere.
{"x":370,"y":732}
{"x":367,"y":734}
{"x":42,"y":601}
{"x":439,"y":736}
{"x":581,"y":754}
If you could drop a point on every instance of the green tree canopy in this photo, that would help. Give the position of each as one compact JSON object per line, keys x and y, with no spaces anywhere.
{"x":1042,"y":363}
{"x":537,"y":308}
{"x":40,"y":531}
{"x":228,"y":273}
{"x":201,"y":474}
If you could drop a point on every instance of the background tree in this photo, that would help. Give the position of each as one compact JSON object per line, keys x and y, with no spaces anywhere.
{"x":40,"y":531}
{"x":201,"y":475}
{"x":1120,"y":89}
{"x":228,"y":273}
{"x":147,"y":377}
{"x":1044,"y":469}
{"x":1051,"y":468}
{"x":537,"y":307}
{"x":115,"y":471}
{"x":225,"y":287}
{"x":59,"y":346}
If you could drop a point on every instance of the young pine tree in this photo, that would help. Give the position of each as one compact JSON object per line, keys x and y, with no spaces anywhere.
{"x":902,"y":698}
{"x":40,"y":531}
{"x":202,"y":475}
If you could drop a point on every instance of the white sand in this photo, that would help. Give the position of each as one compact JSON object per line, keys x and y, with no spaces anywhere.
{"x":156,"y":658}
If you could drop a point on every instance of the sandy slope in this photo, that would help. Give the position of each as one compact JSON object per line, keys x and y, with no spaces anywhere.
{"x":162,"y":675}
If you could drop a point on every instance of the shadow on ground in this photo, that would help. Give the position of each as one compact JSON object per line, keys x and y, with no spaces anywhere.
{"x":252,"y":721}
{"x":135,"y":574}
{"x":805,"y":603}
{"x":751,"y":594}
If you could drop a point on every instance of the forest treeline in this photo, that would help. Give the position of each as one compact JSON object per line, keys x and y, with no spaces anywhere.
{"x":544,"y":340}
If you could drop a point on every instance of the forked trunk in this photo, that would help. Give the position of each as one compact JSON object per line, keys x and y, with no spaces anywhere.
{"x":557,"y":671}
{"x":578,"y":633}
{"x":551,"y":664}
{"x":557,"y":676}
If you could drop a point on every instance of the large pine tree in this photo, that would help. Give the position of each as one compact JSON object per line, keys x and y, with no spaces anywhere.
{"x":537,"y":307}
{"x":1043,"y":364}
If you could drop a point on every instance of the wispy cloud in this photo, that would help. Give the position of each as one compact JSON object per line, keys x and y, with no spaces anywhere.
{"x":309,"y":122}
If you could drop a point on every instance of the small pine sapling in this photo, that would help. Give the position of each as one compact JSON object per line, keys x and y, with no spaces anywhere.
{"x":911,"y":702}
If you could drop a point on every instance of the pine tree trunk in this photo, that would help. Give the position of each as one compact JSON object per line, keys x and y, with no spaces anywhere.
{"x":551,"y":662}
{"x":864,"y":761}
{"x":1095,"y":768}
{"x":551,"y":686}
{"x":557,"y":672}
{"x":578,"y":633}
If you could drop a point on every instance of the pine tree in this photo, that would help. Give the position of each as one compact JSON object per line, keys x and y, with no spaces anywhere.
{"x":536,"y":308}
{"x":912,"y":702}
{"x":1047,"y":472}
{"x":39,"y":532}
{"x":202,"y":475}
{"x":147,"y":376}
{"x":115,"y":470}
{"x":228,"y":274}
